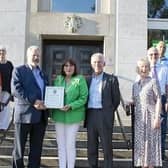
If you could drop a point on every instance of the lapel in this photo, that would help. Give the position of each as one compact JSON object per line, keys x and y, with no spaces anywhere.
{"x":89,"y":79}
{"x":104,"y":81}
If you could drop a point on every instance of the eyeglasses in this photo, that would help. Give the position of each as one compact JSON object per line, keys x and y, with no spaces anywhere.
{"x":153,"y":54}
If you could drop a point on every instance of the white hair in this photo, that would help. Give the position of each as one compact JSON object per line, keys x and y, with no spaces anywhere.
{"x":161,"y":43}
{"x":33,"y":47}
{"x":100,"y":55}
{"x":151,"y":49}
{"x":142,"y":61}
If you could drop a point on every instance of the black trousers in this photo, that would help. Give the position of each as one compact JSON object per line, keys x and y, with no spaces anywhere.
{"x":97,"y":130}
{"x":36,"y":134}
{"x":163,"y":126}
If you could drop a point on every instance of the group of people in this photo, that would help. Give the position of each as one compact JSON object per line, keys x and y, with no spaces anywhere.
{"x":150,"y":98}
{"x":92,"y":100}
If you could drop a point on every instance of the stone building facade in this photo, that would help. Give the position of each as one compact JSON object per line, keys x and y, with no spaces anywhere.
{"x":118,"y":28}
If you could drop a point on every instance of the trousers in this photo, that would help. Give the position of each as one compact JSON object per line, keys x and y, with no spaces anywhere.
{"x":163,"y":126}
{"x":66,"y":141}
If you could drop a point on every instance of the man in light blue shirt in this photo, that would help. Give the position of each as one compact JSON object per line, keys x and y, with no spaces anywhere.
{"x":162,"y":77}
{"x":104,"y":98}
{"x":161,"y":47}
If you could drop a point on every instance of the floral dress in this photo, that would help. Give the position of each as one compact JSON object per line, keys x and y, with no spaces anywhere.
{"x":147,"y":140}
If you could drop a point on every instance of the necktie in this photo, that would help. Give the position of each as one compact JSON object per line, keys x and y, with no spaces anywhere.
{"x":154,"y":72}
{"x":155,"y":75}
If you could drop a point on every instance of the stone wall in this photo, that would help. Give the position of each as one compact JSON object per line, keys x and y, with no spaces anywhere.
{"x":131,"y":40}
{"x":13,"y":29}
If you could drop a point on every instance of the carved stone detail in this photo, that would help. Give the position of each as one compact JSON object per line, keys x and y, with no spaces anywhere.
{"x":73,"y":23}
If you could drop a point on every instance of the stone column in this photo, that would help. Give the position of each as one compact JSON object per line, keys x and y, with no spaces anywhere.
{"x":13,"y":29}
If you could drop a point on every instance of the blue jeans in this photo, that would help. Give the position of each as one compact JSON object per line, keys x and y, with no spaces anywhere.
{"x":163,"y":125}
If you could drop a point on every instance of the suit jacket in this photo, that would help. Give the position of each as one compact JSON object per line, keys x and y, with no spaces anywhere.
{"x":76,"y":96}
{"x":110,"y":99}
{"x":26,"y":91}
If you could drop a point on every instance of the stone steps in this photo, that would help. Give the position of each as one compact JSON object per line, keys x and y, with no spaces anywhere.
{"x":80,"y":136}
{"x":81,"y":162}
{"x":81,"y":152}
{"x":117,"y":144}
{"x":122,"y":157}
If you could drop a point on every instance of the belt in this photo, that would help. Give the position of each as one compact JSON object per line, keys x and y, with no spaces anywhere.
{"x":163,"y":95}
{"x":94,"y":108}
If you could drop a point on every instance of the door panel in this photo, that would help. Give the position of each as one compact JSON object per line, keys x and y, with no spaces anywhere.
{"x":55,"y":54}
{"x":82,"y":58}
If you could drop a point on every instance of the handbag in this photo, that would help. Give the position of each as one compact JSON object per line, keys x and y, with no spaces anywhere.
{"x":4,"y":99}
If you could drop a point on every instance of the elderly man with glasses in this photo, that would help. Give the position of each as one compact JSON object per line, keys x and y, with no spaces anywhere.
{"x":160,"y":72}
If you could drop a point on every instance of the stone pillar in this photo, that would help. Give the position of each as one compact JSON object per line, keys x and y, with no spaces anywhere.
{"x":13,"y":29}
{"x":131,"y":40}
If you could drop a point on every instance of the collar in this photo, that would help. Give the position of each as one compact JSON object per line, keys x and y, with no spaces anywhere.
{"x":32,"y":68}
{"x":97,"y":76}
{"x":139,"y":80}
{"x":163,"y":58}
{"x":3,"y":61}
{"x":155,"y":65}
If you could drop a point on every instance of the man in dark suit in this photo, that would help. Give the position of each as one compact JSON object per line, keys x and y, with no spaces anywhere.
{"x":104,"y":98}
{"x":30,"y":116}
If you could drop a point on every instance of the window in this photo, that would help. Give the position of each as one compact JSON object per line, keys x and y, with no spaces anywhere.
{"x":78,"y":6}
{"x":157,"y":8}
{"x":154,"y":36}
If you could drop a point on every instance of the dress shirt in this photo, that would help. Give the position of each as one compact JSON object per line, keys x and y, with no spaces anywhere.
{"x":163,"y":61}
{"x":37,"y":74}
{"x":95,"y":92}
{"x":162,"y":76}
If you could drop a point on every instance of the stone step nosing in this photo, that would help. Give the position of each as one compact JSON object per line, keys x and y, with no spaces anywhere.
{"x":55,"y":148}
{"x":55,"y":157}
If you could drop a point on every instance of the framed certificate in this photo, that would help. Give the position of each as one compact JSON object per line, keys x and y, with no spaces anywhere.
{"x":54,"y":97}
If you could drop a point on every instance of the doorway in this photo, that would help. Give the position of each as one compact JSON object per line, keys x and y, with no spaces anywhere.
{"x":55,"y":52}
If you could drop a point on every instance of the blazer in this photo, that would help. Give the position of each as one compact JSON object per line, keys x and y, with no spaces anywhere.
{"x":110,"y":98}
{"x":76,"y":93}
{"x":1,"y":81}
{"x":26,"y":91}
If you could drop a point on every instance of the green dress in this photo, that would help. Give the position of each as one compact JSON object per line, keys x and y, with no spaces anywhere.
{"x":76,"y":93}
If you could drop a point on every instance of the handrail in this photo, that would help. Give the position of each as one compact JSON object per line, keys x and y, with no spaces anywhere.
{"x":4,"y":132}
{"x":126,"y":139}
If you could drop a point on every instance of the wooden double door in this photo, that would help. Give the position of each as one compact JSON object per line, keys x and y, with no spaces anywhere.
{"x":55,"y":52}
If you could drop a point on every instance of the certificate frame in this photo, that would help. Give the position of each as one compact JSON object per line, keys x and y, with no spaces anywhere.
{"x":54,"y":97}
